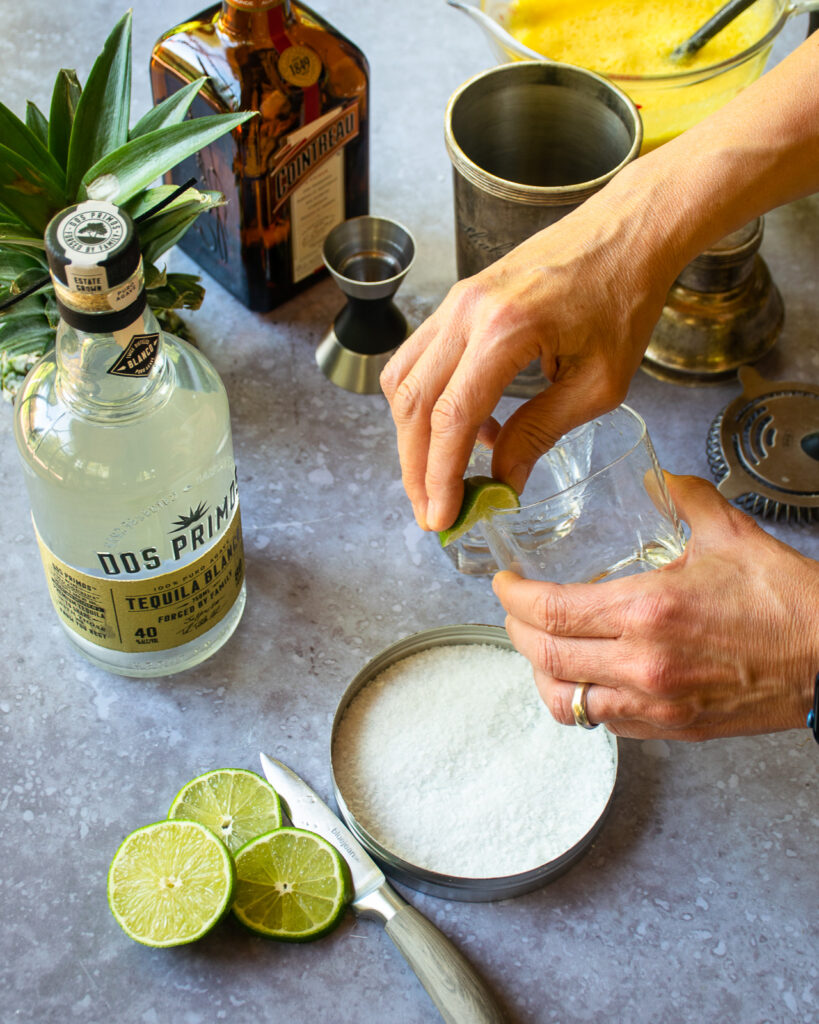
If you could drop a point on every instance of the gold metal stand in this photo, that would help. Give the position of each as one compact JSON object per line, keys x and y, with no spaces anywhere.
{"x":723,"y":312}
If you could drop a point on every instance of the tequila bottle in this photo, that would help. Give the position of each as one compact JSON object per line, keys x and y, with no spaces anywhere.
{"x":124,"y":435}
{"x":291,"y":173}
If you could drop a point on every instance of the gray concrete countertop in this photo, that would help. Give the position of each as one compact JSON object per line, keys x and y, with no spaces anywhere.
{"x":697,"y":902}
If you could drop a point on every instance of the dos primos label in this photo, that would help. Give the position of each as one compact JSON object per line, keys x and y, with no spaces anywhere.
{"x":155,"y":613}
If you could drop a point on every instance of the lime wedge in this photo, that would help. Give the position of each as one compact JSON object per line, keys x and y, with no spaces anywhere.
{"x":291,"y":885}
{"x":170,"y":882}
{"x":482,"y":495}
{"x":236,"y":805}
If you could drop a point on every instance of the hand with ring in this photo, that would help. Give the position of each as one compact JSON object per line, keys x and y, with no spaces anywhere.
{"x":724,"y":641}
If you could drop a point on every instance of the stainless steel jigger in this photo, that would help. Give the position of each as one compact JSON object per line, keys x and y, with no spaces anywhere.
{"x":368,"y":258}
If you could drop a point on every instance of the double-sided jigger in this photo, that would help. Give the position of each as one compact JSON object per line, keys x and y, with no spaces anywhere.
{"x":368,"y":258}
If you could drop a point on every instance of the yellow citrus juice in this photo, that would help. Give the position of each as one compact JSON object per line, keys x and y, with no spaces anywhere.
{"x":635,"y":38}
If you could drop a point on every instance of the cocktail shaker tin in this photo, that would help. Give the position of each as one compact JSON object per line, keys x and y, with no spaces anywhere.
{"x":529,"y":142}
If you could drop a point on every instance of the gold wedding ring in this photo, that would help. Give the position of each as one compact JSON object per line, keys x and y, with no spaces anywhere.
{"x":579,"y":706}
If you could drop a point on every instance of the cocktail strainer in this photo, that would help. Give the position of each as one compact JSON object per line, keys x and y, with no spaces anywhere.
{"x":763,"y":449}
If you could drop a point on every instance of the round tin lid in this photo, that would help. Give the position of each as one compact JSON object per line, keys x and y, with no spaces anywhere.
{"x":432,"y":877}
{"x":763,"y":449}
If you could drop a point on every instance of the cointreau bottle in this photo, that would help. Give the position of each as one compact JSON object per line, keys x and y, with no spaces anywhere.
{"x":291,"y":173}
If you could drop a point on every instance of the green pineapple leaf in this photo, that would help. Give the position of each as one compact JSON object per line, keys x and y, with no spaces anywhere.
{"x":25,"y":333}
{"x":30,"y":195}
{"x":36,"y":122}
{"x":25,"y":329}
{"x":145,"y":201}
{"x":64,"y":99}
{"x":101,"y":119}
{"x":160,"y":232}
{"x":179,"y":291}
{"x":22,"y":141}
{"x":172,"y":322}
{"x":14,"y":264}
{"x":171,"y":110}
{"x":51,"y":311}
{"x":119,"y":175}
{"x":155,"y":276}
{"x":30,"y":276}
{"x":14,"y":233}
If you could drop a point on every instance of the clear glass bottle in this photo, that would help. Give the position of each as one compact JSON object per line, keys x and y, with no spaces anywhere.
{"x":291,"y":173}
{"x":124,"y":435}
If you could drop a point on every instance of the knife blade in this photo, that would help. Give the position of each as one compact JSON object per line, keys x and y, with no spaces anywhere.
{"x":459,"y":995}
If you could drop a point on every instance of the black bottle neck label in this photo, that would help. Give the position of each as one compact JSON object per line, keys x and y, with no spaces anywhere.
{"x":138,"y":357}
{"x":102,"y":322}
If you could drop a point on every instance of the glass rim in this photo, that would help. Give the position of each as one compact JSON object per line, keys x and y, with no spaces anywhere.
{"x":643,"y":436}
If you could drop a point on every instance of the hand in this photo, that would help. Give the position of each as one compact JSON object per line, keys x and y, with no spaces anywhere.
{"x":581,"y":296}
{"x":724,"y":641}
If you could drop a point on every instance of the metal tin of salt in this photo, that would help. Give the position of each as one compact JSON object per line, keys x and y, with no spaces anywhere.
{"x":451,"y":886}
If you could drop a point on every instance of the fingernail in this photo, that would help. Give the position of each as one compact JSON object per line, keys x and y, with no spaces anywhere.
{"x":499,"y":578}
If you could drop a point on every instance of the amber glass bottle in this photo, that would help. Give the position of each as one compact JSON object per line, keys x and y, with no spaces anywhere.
{"x":290,"y":174}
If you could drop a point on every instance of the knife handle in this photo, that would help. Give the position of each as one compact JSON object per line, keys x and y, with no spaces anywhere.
{"x":446,"y":975}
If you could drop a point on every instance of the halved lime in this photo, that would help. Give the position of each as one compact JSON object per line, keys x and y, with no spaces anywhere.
{"x":482,"y":495}
{"x":291,"y":885}
{"x":236,"y":805}
{"x":170,"y":882}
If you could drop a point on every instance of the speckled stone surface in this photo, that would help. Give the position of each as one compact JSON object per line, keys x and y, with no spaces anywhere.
{"x":697,"y":902}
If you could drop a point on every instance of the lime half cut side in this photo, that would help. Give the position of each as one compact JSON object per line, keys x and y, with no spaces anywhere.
{"x":170,"y":882}
{"x":291,"y":885}
{"x":482,"y":496}
{"x":236,"y":805}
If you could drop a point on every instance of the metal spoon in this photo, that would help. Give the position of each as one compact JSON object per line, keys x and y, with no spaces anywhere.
{"x":716,"y":23}
{"x":492,"y":28}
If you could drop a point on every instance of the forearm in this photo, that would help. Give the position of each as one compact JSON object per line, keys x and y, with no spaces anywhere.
{"x":757,"y":152}
{"x":584,"y":295}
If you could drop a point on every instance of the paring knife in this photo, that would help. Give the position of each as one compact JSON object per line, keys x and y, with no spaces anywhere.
{"x":459,"y":995}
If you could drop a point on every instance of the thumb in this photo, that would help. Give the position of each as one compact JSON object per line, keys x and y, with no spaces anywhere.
{"x":538,"y":424}
{"x":700,"y":504}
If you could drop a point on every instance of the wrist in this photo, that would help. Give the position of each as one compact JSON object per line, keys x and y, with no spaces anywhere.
{"x":693,"y":190}
{"x":812,"y":720}
{"x":757,"y":152}
{"x":809,"y":691}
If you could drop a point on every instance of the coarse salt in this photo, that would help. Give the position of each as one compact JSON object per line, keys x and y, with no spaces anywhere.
{"x":450,"y":760}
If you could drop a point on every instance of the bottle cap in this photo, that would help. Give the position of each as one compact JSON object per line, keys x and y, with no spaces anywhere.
{"x":96,"y":266}
{"x":92,"y":247}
